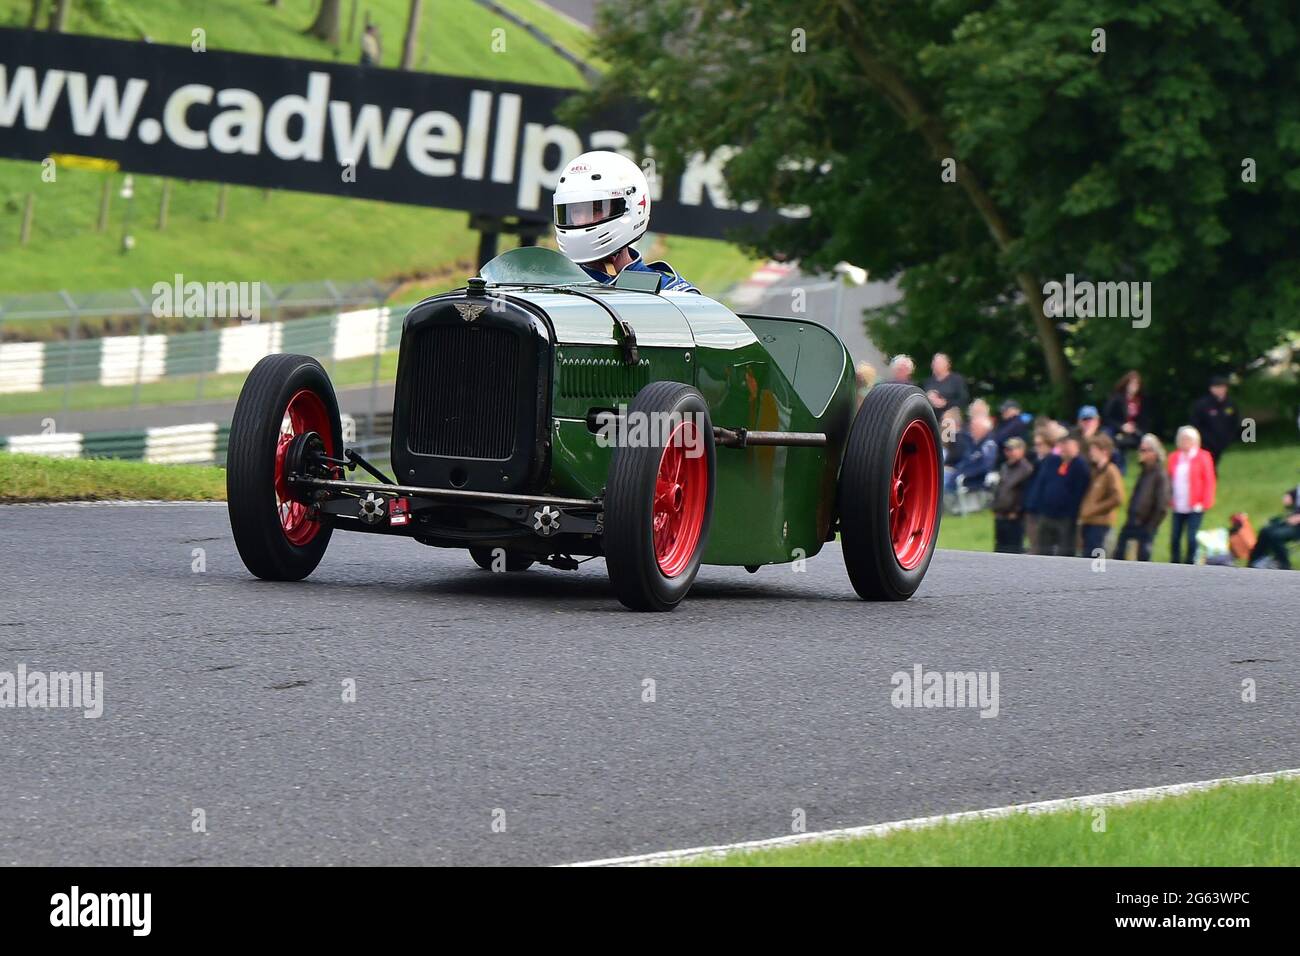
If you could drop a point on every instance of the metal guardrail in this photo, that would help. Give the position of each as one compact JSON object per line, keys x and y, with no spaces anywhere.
{"x":277,"y":300}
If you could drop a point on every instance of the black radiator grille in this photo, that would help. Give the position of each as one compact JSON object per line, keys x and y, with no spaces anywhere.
{"x":464,"y":392}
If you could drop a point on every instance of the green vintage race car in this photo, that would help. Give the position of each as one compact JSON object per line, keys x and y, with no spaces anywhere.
{"x":540,"y":416}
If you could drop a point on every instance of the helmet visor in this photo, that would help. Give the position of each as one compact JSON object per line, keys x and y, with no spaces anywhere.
{"x":591,"y":212}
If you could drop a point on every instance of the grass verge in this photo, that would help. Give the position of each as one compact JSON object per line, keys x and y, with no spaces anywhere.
{"x":36,"y":478}
{"x":1231,"y":825}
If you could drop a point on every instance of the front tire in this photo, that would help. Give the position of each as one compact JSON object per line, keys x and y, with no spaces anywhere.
{"x":890,"y":492}
{"x":659,"y":498}
{"x":278,"y":536}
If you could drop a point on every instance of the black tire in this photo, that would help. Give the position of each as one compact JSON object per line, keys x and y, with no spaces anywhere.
{"x":634,"y":570}
{"x":514,"y":560}
{"x":867,"y":483}
{"x":251,"y":461}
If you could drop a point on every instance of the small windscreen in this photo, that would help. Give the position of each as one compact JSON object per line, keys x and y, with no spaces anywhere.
{"x":534,"y":265}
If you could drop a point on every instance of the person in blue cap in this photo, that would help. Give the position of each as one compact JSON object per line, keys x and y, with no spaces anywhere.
{"x":1089,"y":421}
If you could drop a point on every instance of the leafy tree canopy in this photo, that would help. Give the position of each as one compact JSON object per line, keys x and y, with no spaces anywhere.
{"x":1131,"y":162}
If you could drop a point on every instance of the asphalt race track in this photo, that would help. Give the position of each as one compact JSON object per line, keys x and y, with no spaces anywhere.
{"x":523,"y":693}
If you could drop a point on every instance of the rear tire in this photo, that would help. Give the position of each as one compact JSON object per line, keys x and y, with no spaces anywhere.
{"x":890,"y":493}
{"x":514,"y":560}
{"x":659,"y":500}
{"x":277,"y":536}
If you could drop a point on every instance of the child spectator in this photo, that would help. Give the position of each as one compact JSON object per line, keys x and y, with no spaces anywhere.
{"x":1191,"y":476}
{"x":1103,"y":499}
{"x":1063,"y":484}
{"x":1008,"y":501}
{"x":1150,"y":501}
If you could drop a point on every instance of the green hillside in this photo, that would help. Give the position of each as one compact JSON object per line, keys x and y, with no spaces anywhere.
{"x":268,"y":235}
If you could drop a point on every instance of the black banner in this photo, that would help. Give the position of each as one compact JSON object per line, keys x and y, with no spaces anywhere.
{"x":426,"y":139}
{"x":921,"y":908}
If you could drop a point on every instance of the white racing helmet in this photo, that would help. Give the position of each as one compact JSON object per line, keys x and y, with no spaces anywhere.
{"x":602,"y":203}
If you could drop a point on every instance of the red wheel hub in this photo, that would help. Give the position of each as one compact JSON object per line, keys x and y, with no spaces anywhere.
{"x":914,"y":494}
{"x":681,"y":491}
{"x":304,"y":413}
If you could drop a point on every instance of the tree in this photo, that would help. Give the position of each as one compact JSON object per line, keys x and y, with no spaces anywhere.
{"x":34,"y":17}
{"x":326,"y":26}
{"x":411,"y":44}
{"x":59,"y":15}
{"x":981,"y":149}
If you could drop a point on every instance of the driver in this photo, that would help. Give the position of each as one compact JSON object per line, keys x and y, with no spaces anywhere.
{"x":602,"y":206}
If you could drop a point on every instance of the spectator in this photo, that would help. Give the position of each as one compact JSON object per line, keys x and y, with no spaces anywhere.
{"x":945,"y":388}
{"x":1011,"y":424}
{"x":1063,"y":484}
{"x":1104,"y":498}
{"x":980,"y":457}
{"x":1090,"y":425}
{"x":1191,"y":478}
{"x":1150,"y":502}
{"x":1122,"y":417}
{"x":901,"y":369}
{"x":1216,"y":418}
{"x":978,"y":408}
{"x":371,"y":49}
{"x":956,"y":440}
{"x":1008,"y":501}
{"x":1271,"y":546}
{"x":865,"y":376}
{"x":1033,"y":495}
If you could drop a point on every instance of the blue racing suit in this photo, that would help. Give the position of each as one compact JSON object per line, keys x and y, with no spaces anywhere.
{"x":674,"y":283}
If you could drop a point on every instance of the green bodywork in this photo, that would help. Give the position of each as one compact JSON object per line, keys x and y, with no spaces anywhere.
{"x":772,"y":504}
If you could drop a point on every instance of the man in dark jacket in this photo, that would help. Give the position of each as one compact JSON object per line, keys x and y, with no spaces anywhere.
{"x":1008,"y":500}
{"x":1150,"y":501}
{"x":945,"y":388}
{"x":1058,"y":494}
{"x":1011,"y":424}
{"x":1216,"y":417}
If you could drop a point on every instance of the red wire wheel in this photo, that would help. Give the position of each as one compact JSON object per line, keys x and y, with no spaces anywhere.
{"x":914,"y":495}
{"x":681,"y":494}
{"x":284,"y":397}
{"x":304,"y":413}
{"x":890,"y":492}
{"x":659,"y":499}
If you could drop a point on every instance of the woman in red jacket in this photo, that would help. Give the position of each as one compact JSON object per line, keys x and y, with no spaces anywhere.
{"x":1191,"y":479}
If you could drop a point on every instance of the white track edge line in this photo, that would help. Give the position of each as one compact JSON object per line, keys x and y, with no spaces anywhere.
{"x":1115,"y":798}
